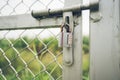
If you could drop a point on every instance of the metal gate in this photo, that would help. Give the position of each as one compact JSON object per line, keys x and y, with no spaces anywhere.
{"x":29,"y":47}
{"x":31,"y":30}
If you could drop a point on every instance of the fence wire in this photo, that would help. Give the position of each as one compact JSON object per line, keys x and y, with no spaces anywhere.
{"x":29,"y":54}
{"x":13,"y":7}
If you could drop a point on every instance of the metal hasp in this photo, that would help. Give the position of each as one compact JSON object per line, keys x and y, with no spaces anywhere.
{"x":93,"y":6}
{"x":67,"y":31}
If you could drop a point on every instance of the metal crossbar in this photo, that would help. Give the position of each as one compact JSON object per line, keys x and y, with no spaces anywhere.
{"x":76,"y":9}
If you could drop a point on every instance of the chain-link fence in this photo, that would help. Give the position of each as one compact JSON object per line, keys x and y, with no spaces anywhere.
{"x":29,"y":54}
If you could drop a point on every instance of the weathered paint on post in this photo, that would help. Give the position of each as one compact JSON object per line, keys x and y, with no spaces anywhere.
{"x":105,"y":41}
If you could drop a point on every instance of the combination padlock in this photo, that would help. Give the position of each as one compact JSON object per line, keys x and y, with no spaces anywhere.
{"x":65,"y":39}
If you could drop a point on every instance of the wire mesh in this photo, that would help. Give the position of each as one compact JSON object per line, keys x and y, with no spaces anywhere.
{"x":13,"y":7}
{"x":29,"y":54}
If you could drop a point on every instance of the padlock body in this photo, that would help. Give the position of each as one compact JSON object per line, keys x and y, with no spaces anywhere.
{"x":67,"y":39}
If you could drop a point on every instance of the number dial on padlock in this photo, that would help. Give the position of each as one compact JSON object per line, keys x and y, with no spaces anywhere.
{"x":67,"y":39}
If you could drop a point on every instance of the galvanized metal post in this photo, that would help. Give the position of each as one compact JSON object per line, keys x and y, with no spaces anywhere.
{"x":74,"y":70}
{"x":105,"y":41}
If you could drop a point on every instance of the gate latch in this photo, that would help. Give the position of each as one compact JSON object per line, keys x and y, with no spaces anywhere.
{"x":66,"y":38}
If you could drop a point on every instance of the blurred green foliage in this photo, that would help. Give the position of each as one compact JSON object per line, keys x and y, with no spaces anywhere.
{"x":38,"y":47}
{"x":85,"y":58}
{"x":86,"y":44}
